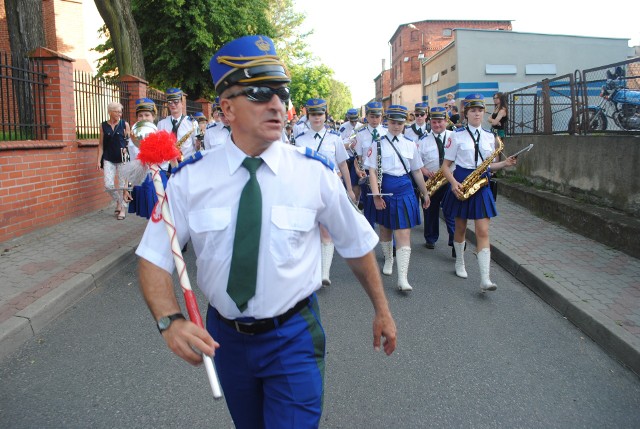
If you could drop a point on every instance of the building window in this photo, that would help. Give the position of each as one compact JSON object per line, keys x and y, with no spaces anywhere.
{"x":414,"y":36}
{"x":443,"y":72}
{"x":415,"y":63}
{"x":399,"y":40}
{"x":447,"y":32}
{"x":453,"y":67}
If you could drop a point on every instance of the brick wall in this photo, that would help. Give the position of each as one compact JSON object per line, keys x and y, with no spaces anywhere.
{"x":427,"y":38}
{"x":45,"y":182}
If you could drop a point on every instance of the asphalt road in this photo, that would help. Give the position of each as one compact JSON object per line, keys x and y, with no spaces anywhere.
{"x":464,"y":360}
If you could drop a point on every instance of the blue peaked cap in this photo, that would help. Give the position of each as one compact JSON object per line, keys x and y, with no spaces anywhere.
{"x":246,"y":61}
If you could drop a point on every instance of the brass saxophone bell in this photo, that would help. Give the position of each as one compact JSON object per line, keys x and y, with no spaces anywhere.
{"x":141,"y":129}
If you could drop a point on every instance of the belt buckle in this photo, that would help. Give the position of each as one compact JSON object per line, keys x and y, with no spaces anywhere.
{"x":239,"y":326}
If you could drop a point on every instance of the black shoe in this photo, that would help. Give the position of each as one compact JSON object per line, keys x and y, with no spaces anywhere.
{"x":394,"y":251}
{"x":429,"y":245}
{"x":453,"y":252}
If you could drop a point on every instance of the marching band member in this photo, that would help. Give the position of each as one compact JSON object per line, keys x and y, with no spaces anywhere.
{"x":328,"y":143}
{"x":218,"y":133}
{"x":256,"y":241}
{"x":214,"y":111}
{"x":431,"y":149}
{"x":420,"y":127}
{"x":373,"y":132}
{"x":347,"y":132}
{"x":395,"y":207}
{"x":469,"y":148}
{"x":302,"y":125}
{"x":144,"y":197}
{"x":179,"y":124}
{"x":201,"y":120}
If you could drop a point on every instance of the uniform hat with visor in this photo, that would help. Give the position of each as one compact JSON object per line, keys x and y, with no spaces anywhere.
{"x":421,"y":107}
{"x":396,"y":112}
{"x":174,"y":94}
{"x":316,"y":105}
{"x":473,"y":100}
{"x":247,"y":61}
{"x":145,"y":105}
{"x":374,"y":107}
{"x":438,"y":113}
{"x":352,"y":114}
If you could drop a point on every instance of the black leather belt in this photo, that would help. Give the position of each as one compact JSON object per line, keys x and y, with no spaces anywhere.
{"x":261,"y":326}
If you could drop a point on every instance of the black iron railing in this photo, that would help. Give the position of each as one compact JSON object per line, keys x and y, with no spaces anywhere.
{"x":22,"y":98}
{"x":92,"y":96}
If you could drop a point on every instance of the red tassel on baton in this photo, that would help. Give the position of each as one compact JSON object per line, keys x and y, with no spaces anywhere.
{"x":155,"y":149}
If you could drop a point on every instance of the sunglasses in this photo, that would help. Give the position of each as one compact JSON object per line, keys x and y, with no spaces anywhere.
{"x":173,"y":102}
{"x":420,"y":114}
{"x":263,"y":94}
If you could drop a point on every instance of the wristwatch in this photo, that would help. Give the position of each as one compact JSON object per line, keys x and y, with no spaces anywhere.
{"x":165,"y":322}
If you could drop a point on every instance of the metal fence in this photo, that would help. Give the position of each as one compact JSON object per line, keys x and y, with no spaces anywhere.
{"x":22,"y":98}
{"x":160,"y":98}
{"x":193,"y":107}
{"x":605,"y":99}
{"x":92,"y":95}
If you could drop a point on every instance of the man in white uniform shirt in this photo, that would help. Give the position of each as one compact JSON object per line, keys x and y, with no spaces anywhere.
{"x":178,"y":123}
{"x":257,"y":243}
{"x":218,"y":133}
{"x":420,"y":127}
{"x":431,"y":149}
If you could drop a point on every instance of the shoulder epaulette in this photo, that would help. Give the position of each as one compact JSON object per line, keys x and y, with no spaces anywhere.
{"x":384,"y":126}
{"x":487,"y":131}
{"x":457,"y":130}
{"x":192,"y":159}
{"x":215,"y":124}
{"x":299,"y":135}
{"x":334,"y":132}
{"x":342,"y":129}
{"x":362,"y":129}
{"x":310,"y":153}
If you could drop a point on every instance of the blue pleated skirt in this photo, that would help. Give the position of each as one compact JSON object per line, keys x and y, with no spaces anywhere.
{"x":479,"y":206}
{"x":403,"y":208}
{"x":144,"y":197}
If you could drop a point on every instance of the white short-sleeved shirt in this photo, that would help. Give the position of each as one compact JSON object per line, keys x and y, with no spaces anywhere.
{"x":331,"y":147}
{"x":187,"y":148}
{"x":428,"y":150}
{"x":391,"y":163}
{"x":460,"y":147}
{"x":301,"y":126}
{"x":347,"y":129}
{"x":215,"y":135}
{"x":298,"y":194}
{"x":364,"y":138}
{"x":413,"y":132}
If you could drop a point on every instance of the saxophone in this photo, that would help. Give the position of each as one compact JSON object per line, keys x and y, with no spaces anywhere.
{"x":434,"y":183}
{"x":477,"y":178}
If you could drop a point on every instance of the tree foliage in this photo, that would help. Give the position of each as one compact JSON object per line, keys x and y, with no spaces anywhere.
{"x":179,"y":37}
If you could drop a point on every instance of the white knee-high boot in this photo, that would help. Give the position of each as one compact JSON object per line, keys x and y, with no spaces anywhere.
{"x":387,"y":251}
{"x":461,"y":271}
{"x":403,"y":254}
{"x":484,"y":262}
{"x":327,"y":258}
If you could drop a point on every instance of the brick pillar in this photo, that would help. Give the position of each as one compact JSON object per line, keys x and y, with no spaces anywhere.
{"x":184,"y":103}
{"x":205,"y":106}
{"x":58,"y":94}
{"x":137,"y":88}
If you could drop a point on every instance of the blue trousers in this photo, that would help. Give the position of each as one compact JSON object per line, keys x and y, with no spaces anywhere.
{"x":273,"y":380}
{"x":432,"y":218}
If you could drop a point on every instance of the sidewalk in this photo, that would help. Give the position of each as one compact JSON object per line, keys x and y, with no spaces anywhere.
{"x":595,"y":287}
{"x":45,"y":272}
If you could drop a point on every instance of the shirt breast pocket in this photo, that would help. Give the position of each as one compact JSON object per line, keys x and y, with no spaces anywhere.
{"x":291,"y":228}
{"x":210,"y":230}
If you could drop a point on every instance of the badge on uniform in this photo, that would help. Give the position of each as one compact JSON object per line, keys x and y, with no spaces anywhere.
{"x":156,"y":213}
{"x":369,"y":152}
{"x":448,"y":145}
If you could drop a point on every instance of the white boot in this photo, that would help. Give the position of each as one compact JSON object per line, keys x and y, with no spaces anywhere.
{"x":403,"y":254}
{"x":327,"y":257}
{"x":484,"y":262}
{"x":461,"y":271}
{"x":387,"y":251}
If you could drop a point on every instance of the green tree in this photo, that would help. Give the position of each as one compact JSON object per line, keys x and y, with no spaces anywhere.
{"x":288,"y":37}
{"x":318,"y":82}
{"x":339,"y":99}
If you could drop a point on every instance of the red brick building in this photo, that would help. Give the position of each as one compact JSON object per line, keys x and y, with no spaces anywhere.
{"x":417,"y":41}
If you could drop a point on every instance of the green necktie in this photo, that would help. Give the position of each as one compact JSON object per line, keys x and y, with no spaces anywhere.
{"x":244,"y":260}
{"x":440,"y":145}
{"x":374,"y":135}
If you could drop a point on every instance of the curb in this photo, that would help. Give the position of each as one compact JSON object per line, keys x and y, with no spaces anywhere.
{"x":29,"y":321}
{"x":618,"y":343}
